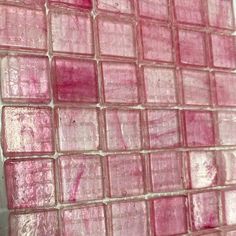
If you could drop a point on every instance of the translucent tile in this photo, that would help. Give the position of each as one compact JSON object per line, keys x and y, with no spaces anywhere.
{"x":229,"y":207}
{"x":118,"y":6}
{"x":86,"y":4}
{"x":31,"y":3}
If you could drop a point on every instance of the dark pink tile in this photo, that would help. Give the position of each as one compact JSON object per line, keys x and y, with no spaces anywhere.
{"x":166,"y":171}
{"x":229,"y":207}
{"x":163,"y":128}
{"x":23,"y":34}
{"x":159,"y":85}
{"x":196,"y":87}
{"x":225,"y":88}
{"x":77,"y":129}
{"x":123,"y":129}
{"x":204,"y":210}
{"x":126,"y":175}
{"x":25,"y":79}
{"x":203,"y":169}
{"x":116,"y":37}
{"x":37,"y":223}
{"x":192,"y":48}
{"x":170,"y":215}
{"x":118,"y":6}
{"x":71,"y":33}
{"x":220,"y":13}
{"x":223,"y":51}
{"x":156,"y":41}
{"x":154,"y":9}
{"x":80,"y":178}
{"x":75,"y":80}
{"x":227,"y":127}
{"x":129,"y":218}
{"x":189,"y":11}
{"x":86,"y":4}
{"x":199,"y":128}
{"x":120,"y":82}
{"x":30,"y":183}
{"x":27,"y":131}
{"x":89,"y":221}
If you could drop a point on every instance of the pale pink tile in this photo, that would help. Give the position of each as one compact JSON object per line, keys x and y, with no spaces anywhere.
{"x":129,"y":218}
{"x":163,"y":128}
{"x":189,"y":11}
{"x":77,"y":129}
{"x":123,"y":129}
{"x":126,"y":175}
{"x":220,"y":13}
{"x":27,"y":131}
{"x":203,"y":169}
{"x":71,"y":33}
{"x":166,"y":171}
{"x":86,"y":4}
{"x":119,"y":6}
{"x":34,"y":3}
{"x":230,"y":233}
{"x":229,"y":207}
{"x":156,"y":41}
{"x":30,"y":183}
{"x":120,"y":82}
{"x":199,"y":128}
{"x":159,"y":85}
{"x":116,"y":37}
{"x":154,"y":9}
{"x":80,"y":178}
{"x":75,"y":80}
{"x":225,"y":88}
{"x":223,"y":51}
{"x":25,"y":79}
{"x":89,"y":221}
{"x":204,"y":210}
{"x":170,"y":215}
{"x":34,"y":223}
{"x":196,"y":87}
{"x":29,"y":31}
{"x":192,"y":48}
{"x":227,"y":127}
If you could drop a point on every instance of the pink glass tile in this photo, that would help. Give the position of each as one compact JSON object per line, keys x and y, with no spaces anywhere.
{"x":30,"y":183}
{"x":225,"y":88}
{"x":166,"y":171}
{"x":34,"y":223}
{"x":22,"y":34}
{"x":220,"y":13}
{"x":189,"y":11}
{"x":230,"y":233}
{"x":123,"y":129}
{"x":203,"y":169}
{"x":77,"y":129}
{"x":154,"y":9}
{"x":86,"y":4}
{"x":163,"y":128}
{"x":80,"y":178}
{"x":25,"y":79}
{"x":170,"y":215}
{"x":71,"y":33}
{"x":75,"y":80}
{"x":116,"y":37}
{"x":27,"y":131}
{"x":34,"y":3}
{"x":223,"y":51}
{"x":118,"y":6}
{"x":204,"y":210}
{"x":229,"y":207}
{"x":196,"y":87}
{"x":156,"y":42}
{"x":120,"y":82}
{"x":129,"y":218}
{"x":125,"y":175}
{"x":227,"y":127}
{"x":159,"y":85}
{"x":89,"y":221}
{"x":192,"y":48}
{"x":199,"y":128}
